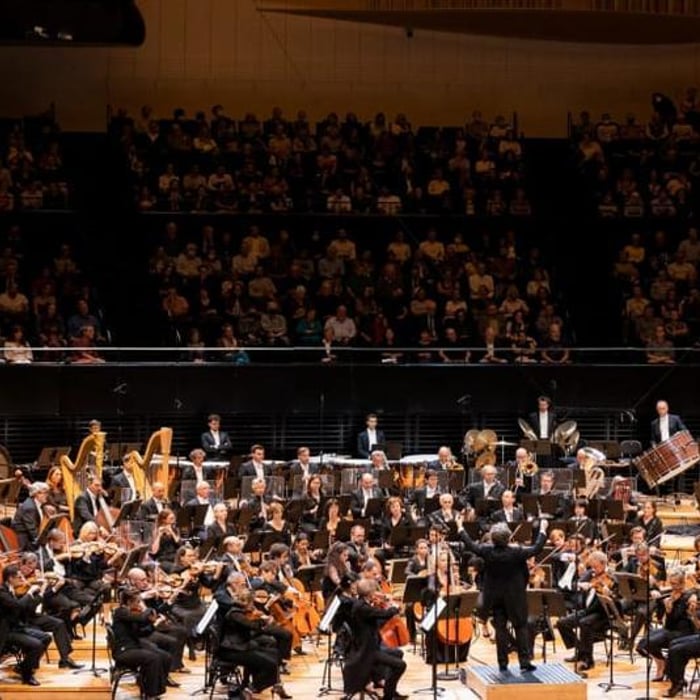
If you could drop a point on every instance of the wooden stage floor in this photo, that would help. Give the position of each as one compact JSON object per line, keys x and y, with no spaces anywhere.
{"x":305,"y":679}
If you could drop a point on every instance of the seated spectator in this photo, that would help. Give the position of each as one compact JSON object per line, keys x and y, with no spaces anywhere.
{"x":513,"y":303}
{"x":343,"y":246}
{"x":681,"y":271}
{"x":86,"y":347}
{"x":635,"y":305}
{"x":63,"y":264}
{"x":309,"y":331}
{"x":495,"y":204}
{"x":520,"y":204}
{"x":388,"y":202}
{"x":258,"y":244}
{"x":607,"y":130}
{"x":432,"y":249}
{"x":175,"y":305}
{"x":633,"y":206}
{"x":515,"y":325}
{"x":660,"y":348}
{"x":677,"y":330}
{"x":32,"y":196}
{"x":608,"y":207}
{"x":554,"y":351}
{"x":343,"y":327}
{"x":187,"y":264}
{"x":261,"y":287}
{"x":426,"y":345}
{"x":524,"y":348}
{"x":274,"y":325}
{"x":388,"y":356}
{"x":660,"y":286}
{"x":339,"y":202}
{"x":17,"y":350}
{"x":331,"y":266}
{"x":244,"y":263}
{"x":82,"y":317}
{"x":491,"y":348}
{"x":14,"y":306}
{"x":328,"y":341}
{"x":195,"y":346}
{"x":451,"y":350}
{"x":479,"y":280}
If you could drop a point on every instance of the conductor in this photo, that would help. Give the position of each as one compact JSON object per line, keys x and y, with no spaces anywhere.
{"x":505,"y":580}
{"x":665,"y":424}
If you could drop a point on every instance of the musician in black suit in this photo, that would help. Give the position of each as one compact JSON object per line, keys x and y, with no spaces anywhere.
{"x":88,"y":504}
{"x":255,"y":466}
{"x":488,"y":488}
{"x":125,"y":479}
{"x":544,"y":420}
{"x":302,"y":465}
{"x":27,"y":519}
{"x":197,"y":471}
{"x":363,"y":495}
{"x":14,"y":629}
{"x":444,"y":461}
{"x":132,"y":621}
{"x":431,"y":491}
{"x":509,"y":513}
{"x":370,"y":438}
{"x":216,"y":442}
{"x":155,"y":504}
{"x":666,"y":424}
{"x":365,"y":657}
{"x":505,"y":581}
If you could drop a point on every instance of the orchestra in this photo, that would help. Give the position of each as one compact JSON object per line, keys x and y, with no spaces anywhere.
{"x":274,"y":543}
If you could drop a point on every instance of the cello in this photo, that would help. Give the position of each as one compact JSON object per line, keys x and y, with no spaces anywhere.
{"x":393,"y":632}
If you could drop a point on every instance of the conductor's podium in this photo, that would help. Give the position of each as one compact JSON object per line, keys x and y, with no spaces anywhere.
{"x":547,"y":681}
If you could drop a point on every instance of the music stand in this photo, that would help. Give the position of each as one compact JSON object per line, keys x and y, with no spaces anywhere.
{"x":406,"y":536}
{"x":132,"y":559}
{"x":431,"y":505}
{"x":269,"y":538}
{"x":613,"y":615}
{"x":293,"y":510}
{"x":486,"y":507}
{"x":614,"y":509}
{"x":385,"y":478}
{"x":333,"y":656}
{"x":521,"y":532}
{"x":47,"y":525}
{"x":253,"y":543}
{"x":342,"y":532}
{"x":128,"y":511}
{"x":545,"y":603}
{"x":374,"y":508}
{"x":397,"y":571}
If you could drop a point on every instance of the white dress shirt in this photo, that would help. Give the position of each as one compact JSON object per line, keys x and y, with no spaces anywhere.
{"x":259,"y":469}
{"x":544,"y":425}
{"x":215,"y":437}
{"x":663,"y":428}
{"x":371,"y":438}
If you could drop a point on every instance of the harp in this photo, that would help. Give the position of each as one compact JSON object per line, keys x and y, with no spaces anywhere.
{"x":75,"y":474}
{"x":148,"y":470}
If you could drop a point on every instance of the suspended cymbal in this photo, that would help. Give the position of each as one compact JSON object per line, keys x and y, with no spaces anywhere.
{"x":504,"y":443}
{"x":528,"y":432}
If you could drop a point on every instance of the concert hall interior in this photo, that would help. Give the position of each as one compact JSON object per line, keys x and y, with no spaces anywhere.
{"x":349,"y":347}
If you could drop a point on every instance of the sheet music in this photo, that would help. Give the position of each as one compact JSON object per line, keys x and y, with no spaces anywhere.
{"x":207,"y":618}
{"x":431,"y":615}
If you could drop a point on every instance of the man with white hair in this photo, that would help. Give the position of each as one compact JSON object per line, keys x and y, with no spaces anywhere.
{"x":27,"y":519}
{"x":665,"y":424}
{"x":489,"y":488}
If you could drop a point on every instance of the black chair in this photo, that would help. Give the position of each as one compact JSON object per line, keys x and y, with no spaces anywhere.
{"x":118,"y":671}
{"x":216,"y":669}
{"x":630,"y":448}
{"x":11,"y":654}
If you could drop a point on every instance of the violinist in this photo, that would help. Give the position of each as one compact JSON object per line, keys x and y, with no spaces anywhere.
{"x":651,"y":569}
{"x":311,"y":513}
{"x":90,"y":571}
{"x":365,"y":658}
{"x":131,"y":621}
{"x":583,"y":524}
{"x":590,"y":616}
{"x":653,"y":527}
{"x":681,"y":650}
{"x":57,"y":494}
{"x":166,"y":540}
{"x":14,"y":628}
{"x":622,"y":556}
{"x":505,"y":583}
{"x":278,"y":524}
{"x":245,"y":638}
{"x":168,"y":635}
{"x":220,"y":528}
{"x":233,"y":558}
{"x":187,"y":607}
{"x":674,"y":610}
{"x":40,"y":589}
{"x":28,"y":516}
{"x":394,"y":516}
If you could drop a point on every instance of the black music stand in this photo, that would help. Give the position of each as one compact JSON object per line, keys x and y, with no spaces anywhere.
{"x":612,"y":614}
{"x":94,"y":607}
{"x":401,"y":537}
{"x":342,"y":532}
{"x":385,"y":479}
{"x":128,"y":511}
{"x":49,"y":524}
{"x":293,"y":510}
{"x":397,"y":570}
{"x":545,"y":603}
{"x":269,"y":538}
{"x":191,"y":518}
{"x":614,"y":510}
{"x":132,"y":559}
{"x":432,"y":604}
{"x":253,"y":543}
{"x":431,"y":505}
{"x":334,"y":655}
{"x":521,"y":532}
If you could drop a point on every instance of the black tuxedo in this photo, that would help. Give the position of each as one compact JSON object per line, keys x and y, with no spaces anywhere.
{"x":84,"y":511}
{"x":189,"y":474}
{"x":357,"y":503}
{"x":476,"y":492}
{"x":212,"y":450}
{"x":505,"y":582}
{"x":365,"y":655}
{"x":119,"y":481}
{"x":675,"y":425}
{"x":248,"y":469}
{"x":499,"y":516}
{"x":296,"y":468}
{"x":26,"y":524}
{"x":363,"y":447}
{"x":149,"y":509}
{"x":534,"y":419}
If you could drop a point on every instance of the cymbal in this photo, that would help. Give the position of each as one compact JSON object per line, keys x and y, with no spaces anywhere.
{"x":529,"y":433}
{"x":564,"y":431}
{"x":504,"y":443}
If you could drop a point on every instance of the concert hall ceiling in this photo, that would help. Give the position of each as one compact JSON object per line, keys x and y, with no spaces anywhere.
{"x":587,"y":21}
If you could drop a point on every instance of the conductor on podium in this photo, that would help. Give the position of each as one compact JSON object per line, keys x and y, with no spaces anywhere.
{"x":505,"y":580}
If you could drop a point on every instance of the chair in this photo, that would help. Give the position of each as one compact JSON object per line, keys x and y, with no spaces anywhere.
{"x":630,"y":448}
{"x":118,"y":671}
{"x":216,"y":669}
